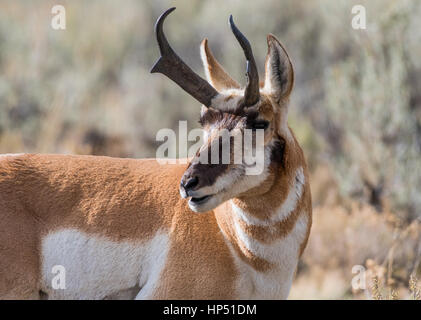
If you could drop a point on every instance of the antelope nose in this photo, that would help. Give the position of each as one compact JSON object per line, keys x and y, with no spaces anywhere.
{"x":187,"y":185}
{"x":191,"y":183}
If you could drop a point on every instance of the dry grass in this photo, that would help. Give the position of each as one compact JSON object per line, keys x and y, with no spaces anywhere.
{"x":346,"y":233}
{"x":356,"y":109}
{"x":414,"y":288}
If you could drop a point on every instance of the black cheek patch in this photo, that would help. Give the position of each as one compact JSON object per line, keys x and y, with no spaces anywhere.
{"x":278,"y":151}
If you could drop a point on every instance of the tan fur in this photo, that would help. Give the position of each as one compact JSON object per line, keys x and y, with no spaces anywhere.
{"x":121,"y":199}
{"x":128,"y":200}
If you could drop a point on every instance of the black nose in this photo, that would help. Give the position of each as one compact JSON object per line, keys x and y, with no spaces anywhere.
{"x":191,"y":183}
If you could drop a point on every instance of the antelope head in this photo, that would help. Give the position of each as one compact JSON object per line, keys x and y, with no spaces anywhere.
{"x":226,"y":106}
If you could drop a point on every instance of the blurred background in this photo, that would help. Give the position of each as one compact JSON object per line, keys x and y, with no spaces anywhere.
{"x":356,"y":110}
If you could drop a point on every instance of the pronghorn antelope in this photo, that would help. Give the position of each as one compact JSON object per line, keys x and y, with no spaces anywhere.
{"x":119,"y":226}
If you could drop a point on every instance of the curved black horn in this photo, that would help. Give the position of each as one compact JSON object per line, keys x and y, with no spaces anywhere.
{"x":252,"y":94}
{"x":174,"y":68}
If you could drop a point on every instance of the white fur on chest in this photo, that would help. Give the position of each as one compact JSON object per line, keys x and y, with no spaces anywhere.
{"x":283,"y":253}
{"x":97,"y":268}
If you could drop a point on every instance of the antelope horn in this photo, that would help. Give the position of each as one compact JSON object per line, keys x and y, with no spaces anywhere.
{"x":252,"y":94}
{"x":173,"y":67}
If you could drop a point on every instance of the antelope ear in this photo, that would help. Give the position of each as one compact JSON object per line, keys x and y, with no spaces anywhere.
{"x":279,"y":73}
{"x":215,"y":73}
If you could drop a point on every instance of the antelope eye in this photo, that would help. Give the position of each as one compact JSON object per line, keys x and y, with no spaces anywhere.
{"x":260,"y":125}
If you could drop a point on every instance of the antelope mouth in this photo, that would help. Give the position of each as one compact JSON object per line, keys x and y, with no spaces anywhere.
{"x":204,"y":203}
{"x":200,"y":200}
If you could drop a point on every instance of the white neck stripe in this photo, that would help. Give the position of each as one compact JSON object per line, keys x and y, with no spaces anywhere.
{"x":286,"y":208}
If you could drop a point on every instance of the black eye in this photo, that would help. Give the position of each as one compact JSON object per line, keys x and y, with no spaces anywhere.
{"x":260,"y":125}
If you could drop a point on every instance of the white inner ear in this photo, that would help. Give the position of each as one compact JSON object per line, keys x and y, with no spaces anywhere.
{"x":205,"y":64}
{"x":279,"y":73}
{"x":215,"y":73}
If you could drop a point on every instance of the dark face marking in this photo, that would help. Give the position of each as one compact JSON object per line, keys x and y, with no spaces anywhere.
{"x":215,"y":120}
{"x":278,"y":151}
{"x":227,"y":120}
{"x":205,"y":173}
